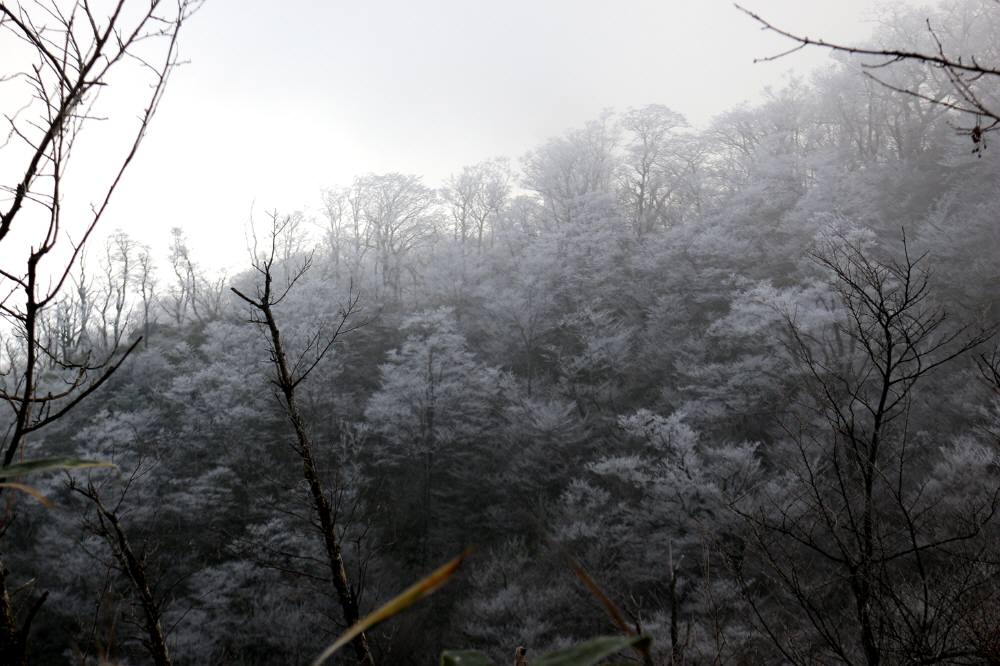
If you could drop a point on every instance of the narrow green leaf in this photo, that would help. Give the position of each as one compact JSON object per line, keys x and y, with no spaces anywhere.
{"x":590,"y":652}
{"x":464,"y":658}
{"x":404,"y":600}
{"x":34,"y":492}
{"x":609,"y":606}
{"x":49,"y":464}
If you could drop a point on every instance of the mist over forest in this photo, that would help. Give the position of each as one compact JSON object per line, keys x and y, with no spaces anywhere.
{"x":724,"y":394}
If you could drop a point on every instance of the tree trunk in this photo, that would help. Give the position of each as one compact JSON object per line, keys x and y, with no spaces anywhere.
{"x":12,"y":643}
{"x":321,"y":504}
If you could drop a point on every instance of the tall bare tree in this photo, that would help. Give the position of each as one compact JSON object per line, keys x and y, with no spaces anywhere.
{"x":878,"y":566}
{"x":289,"y":373}
{"x":62,"y":55}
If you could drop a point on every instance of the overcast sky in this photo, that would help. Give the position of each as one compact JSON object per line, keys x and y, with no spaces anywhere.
{"x":282,"y":99}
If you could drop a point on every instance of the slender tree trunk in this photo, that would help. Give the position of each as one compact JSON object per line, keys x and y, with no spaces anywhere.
{"x":321,"y":504}
{"x":14,"y":637}
{"x":12,"y":644}
{"x":675,"y":634}
{"x":287,"y":380}
{"x":136,"y":571}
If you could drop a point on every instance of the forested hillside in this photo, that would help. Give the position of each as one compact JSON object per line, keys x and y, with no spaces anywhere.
{"x":744,"y":374}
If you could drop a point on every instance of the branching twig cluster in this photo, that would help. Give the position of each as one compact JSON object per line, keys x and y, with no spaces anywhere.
{"x":964,"y":74}
{"x":853,"y":505}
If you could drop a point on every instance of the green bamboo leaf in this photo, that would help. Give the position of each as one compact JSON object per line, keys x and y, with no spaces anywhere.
{"x":49,"y":464}
{"x":609,"y":606}
{"x":591,"y":652}
{"x":34,"y":492}
{"x":464,"y":658}
{"x":404,"y":600}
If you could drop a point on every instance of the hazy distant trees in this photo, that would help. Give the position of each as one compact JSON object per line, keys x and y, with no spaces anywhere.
{"x":384,"y":216}
{"x":344,"y":230}
{"x":655,"y":170}
{"x":192,"y":296}
{"x":568,"y":171}
{"x":476,"y":197}
{"x":122,"y":273}
{"x":652,"y":512}
{"x":434,"y":403}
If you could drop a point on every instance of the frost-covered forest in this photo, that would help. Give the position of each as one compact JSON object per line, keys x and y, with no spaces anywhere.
{"x":742,"y":374}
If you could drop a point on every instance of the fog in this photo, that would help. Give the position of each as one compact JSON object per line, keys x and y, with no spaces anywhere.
{"x":277,"y":105}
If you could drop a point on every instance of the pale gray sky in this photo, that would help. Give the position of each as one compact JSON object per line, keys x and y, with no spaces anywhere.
{"x":282,"y":99}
